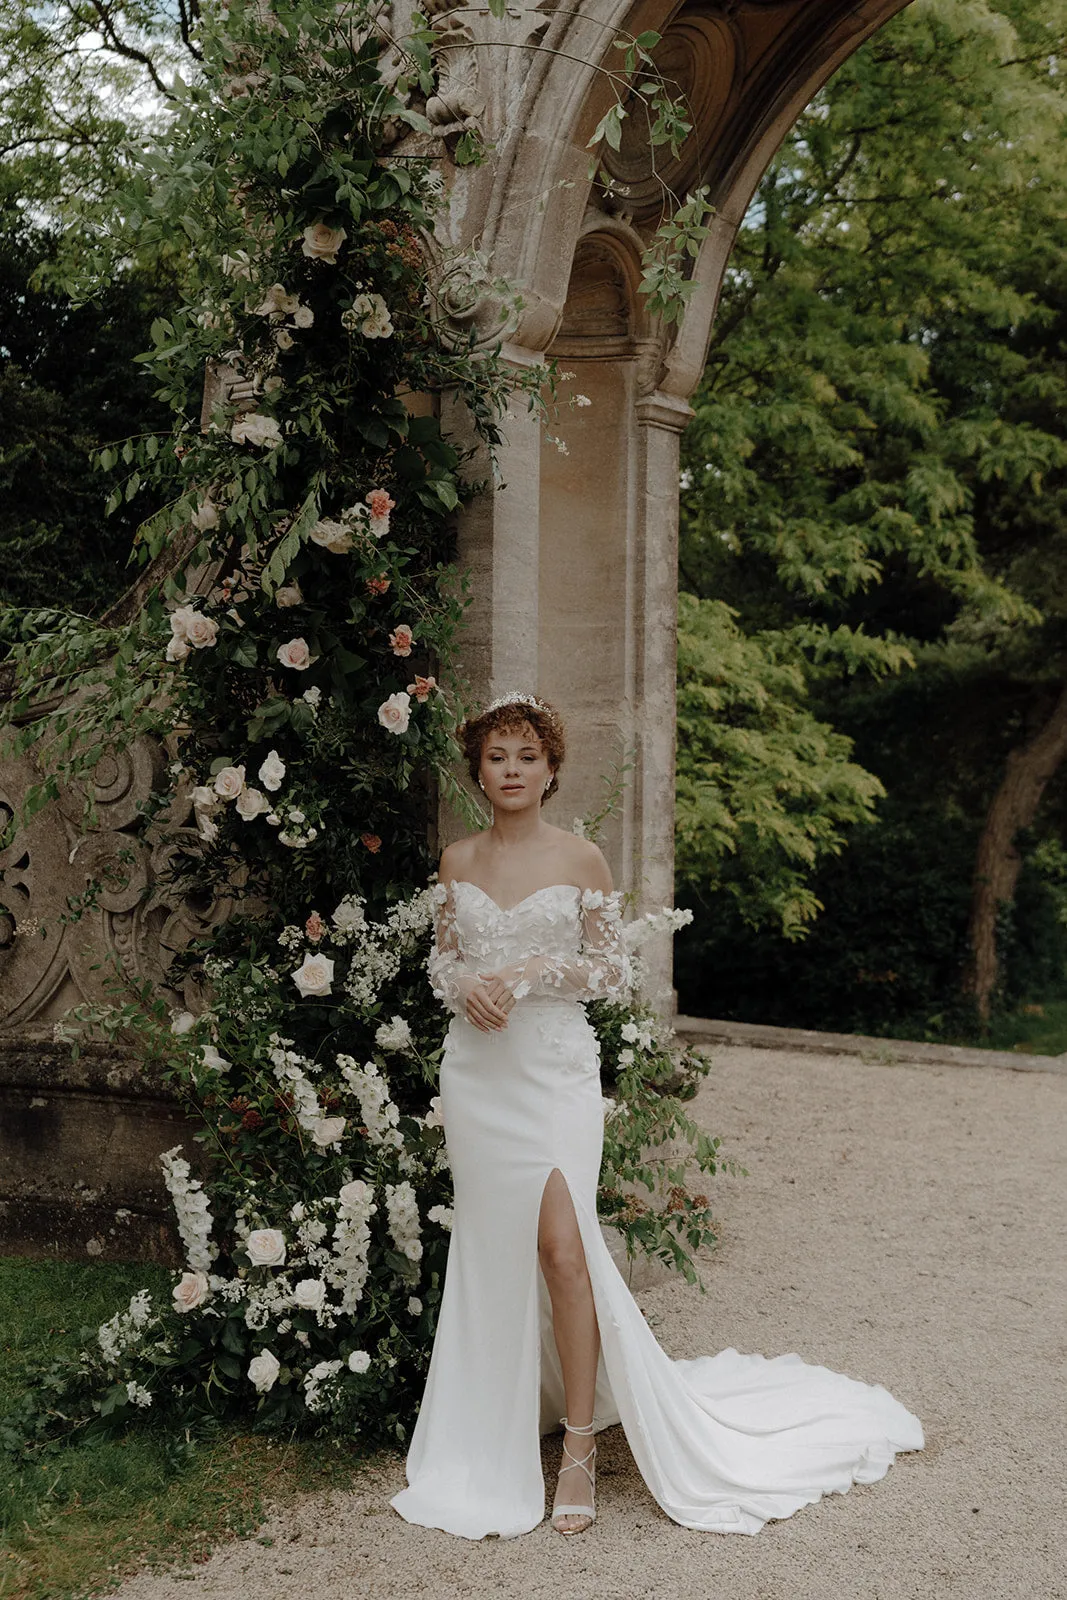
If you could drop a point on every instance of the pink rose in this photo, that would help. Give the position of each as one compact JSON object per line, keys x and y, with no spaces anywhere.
{"x":295,"y":654}
{"x":422,"y":688}
{"x":190,"y":1291}
{"x":314,"y":927}
{"x":402,"y":639}
{"x":395,"y":713}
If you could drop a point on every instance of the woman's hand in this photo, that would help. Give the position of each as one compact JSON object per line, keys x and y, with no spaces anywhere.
{"x":488,"y":1003}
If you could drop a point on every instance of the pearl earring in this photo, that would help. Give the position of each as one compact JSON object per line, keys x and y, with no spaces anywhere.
{"x":481,"y":785}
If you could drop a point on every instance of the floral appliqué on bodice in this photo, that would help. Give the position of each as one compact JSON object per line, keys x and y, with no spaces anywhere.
{"x":559,"y":943}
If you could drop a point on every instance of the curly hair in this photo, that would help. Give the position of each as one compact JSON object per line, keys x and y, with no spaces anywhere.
{"x":512,"y":716}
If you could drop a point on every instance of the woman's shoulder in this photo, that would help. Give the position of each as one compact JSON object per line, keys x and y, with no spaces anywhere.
{"x":457,"y":858}
{"x":585,"y":861}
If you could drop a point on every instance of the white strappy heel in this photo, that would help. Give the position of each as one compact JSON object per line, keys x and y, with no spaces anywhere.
{"x":589,"y":1511}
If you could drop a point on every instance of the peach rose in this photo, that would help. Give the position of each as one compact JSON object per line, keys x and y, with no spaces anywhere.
{"x":422,"y":688}
{"x":380,"y":502}
{"x":377,"y":585}
{"x":401,"y":639}
{"x":295,"y":654}
{"x":321,"y":242}
{"x":395,"y":713}
{"x":371,"y":842}
{"x":314,"y":927}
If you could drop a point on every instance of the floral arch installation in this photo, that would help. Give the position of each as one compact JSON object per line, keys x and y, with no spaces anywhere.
{"x":573,"y":559}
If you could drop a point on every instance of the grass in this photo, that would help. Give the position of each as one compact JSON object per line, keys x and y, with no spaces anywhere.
{"x":76,"y":1521}
{"x":1039,"y":1030}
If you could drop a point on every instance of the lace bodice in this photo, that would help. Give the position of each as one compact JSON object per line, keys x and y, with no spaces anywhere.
{"x":560,"y":942}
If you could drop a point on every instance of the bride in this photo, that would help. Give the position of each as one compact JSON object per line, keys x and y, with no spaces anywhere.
{"x":536,"y":1322}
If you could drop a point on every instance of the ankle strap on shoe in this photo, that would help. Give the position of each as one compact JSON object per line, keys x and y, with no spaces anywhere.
{"x":585,"y":1427}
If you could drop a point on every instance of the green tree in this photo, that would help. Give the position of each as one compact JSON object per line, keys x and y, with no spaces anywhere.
{"x":876,"y":464}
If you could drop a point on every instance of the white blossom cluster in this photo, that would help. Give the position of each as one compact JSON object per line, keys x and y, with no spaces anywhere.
{"x":442,"y":1215}
{"x":314,"y":1382}
{"x":124,"y":1330}
{"x":191,"y":1210}
{"x":403,"y":1210}
{"x":351,"y":1242}
{"x":394,"y":1035}
{"x":289,"y":1071}
{"x":379,"y":1114}
{"x":138,"y":1394}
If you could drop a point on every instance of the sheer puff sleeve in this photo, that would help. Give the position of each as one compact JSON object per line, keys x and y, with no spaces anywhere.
{"x":450,"y":978}
{"x":600,"y":971}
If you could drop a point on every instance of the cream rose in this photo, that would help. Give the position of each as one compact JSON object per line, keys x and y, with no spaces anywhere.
{"x":290,"y":594}
{"x":395,"y":713}
{"x":229,"y":782}
{"x":190,"y":1291}
{"x":189,"y":625}
{"x":263,"y":1370}
{"x":266,"y":1247}
{"x":321,"y":242}
{"x":272,"y":771}
{"x":355,"y":1195}
{"x":332,"y":536}
{"x":327,"y":1131}
{"x":309,"y":1294}
{"x":295,"y":654}
{"x":314,"y":975}
{"x":251,"y":803}
{"x":255,"y":428}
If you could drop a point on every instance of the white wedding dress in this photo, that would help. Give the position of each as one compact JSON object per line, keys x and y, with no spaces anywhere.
{"x":723,"y":1442}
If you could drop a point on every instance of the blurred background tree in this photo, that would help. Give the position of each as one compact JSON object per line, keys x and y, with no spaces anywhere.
{"x":874,"y":483}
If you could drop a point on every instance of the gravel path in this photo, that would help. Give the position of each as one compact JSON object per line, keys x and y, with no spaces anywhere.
{"x":903,"y":1223}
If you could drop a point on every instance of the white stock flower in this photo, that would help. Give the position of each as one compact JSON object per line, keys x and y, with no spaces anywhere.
{"x":434,"y":1118}
{"x":255,"y":428}
{"x":377,"y":1109}
{"x":126,"y":1328}
{"x":442,"y":1215}
{"x":394,"y":1035}
{"x":272,"y":771}
{"x":403,"y":1210}
{"x":191,"y":1210}
{"x":263,"y":1370}
{"x":266,"y":1247}
{"x":314,"y":975}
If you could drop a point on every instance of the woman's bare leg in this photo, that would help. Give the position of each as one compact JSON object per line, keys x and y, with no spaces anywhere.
{"x":562,"y":1257}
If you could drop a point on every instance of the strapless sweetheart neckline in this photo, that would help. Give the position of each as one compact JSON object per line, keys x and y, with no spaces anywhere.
{"x":504,"y":910}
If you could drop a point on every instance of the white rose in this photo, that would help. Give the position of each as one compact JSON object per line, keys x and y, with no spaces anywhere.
{"x":395,"y":713}
{"x":254,"y":428}
{"x":189,"y":625}
{"x":358,"y":1361}
{"x":251,"y":804}
{"x":434,"y":1118}
{"x":354,"y":1195}
{"x":277,"y":302}
{"x":332,"y":536}
{"x":229,"y":782}
{"x":190,"y":1291}
{"x":284,"y":339}
{"x":272,"y":771}
{"x":309,"y":1294}
{"x":415,"y":1306}
{"x":295,"y":654}
{"x":327,"y":1131}
{"x":312,"y":696}
{"x":266,"y":1247}
{"x":349,"y":916}
{"x":394,"y":1035}
{"x":263,"y":1370}
{"x":206,"y":515}
{"x":290,"y":594}
{"x":212,"y":1058}
{"x":184,"y":1022}
{"x":314,"y":975}
{"x":303,"y":317}
{"x":321,"y":242}
{"x":177,"y":649}
{"x":631,"y":1032}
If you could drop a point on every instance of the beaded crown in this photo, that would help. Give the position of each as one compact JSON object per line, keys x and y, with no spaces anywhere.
{"x":516,"y":699}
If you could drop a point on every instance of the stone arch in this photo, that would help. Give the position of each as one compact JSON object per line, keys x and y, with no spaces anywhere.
{"x":574,"y":557}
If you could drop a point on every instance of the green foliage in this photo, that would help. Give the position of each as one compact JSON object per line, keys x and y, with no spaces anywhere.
{"x":874,"y":479}
{"x":765,"y":790}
